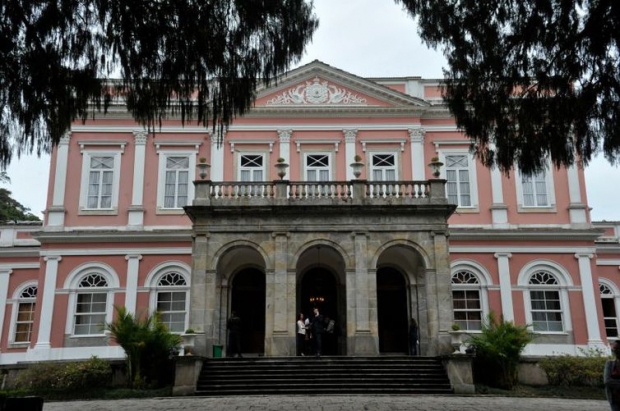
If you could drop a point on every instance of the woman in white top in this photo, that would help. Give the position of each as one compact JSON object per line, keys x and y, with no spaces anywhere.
{"x":301,"y":335}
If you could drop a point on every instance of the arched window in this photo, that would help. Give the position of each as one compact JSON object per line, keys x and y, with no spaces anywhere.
{"x":171,"y":300}
{"x":546,"y":304}
{"x":91,"y":305}
{"x":24,"y":307}
{"x":610,"y":316}
{"x":466,"y":300}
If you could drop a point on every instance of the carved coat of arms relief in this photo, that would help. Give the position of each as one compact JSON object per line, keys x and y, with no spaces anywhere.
{"x":316,"y":92}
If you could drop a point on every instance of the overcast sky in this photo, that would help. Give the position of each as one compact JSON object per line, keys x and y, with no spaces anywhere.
{"x":368,"y":38}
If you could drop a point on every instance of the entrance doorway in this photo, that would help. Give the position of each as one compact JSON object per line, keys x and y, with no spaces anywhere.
{"x":248,"y":300}
{"x":319,"y":289}
{"x":392,"y":311}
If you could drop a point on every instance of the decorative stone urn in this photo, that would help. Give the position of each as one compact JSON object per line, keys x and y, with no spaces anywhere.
{"x":357,"y":166}
{"x":281,"y":165}
{"x":457,"y":337}
{"x":189,"y":339}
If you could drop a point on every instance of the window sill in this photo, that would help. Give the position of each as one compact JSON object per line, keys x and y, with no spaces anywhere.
{"x":87,"y":336}
{"x":170,"y":211}
{"x":550,"y":209}
{"x":467,"y":210}
{"x":112,"y":211}
{"x":19,"y":344}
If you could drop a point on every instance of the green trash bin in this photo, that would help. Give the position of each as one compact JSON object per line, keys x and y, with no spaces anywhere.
{"x":217,"y":351}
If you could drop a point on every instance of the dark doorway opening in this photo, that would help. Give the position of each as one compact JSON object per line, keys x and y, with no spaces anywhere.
{"x":319,"y":289}
{"x":248,"y":300}
{"x":392,"y":311}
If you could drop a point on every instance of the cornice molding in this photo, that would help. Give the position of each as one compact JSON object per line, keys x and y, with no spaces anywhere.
{"x":113,"y":236}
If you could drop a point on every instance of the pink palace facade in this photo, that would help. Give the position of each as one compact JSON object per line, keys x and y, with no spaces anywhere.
{"x":130,"y":222}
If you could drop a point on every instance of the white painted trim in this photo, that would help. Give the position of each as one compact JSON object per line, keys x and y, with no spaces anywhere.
{"x":138,"y":171}
{"x":278,"y":126}
{"x":47,"y":302}
{"x":103,"y":143}
{"x":607,"y":262}
{"x":60,"y":175}
{"x":574,"y":190}
{"x":330,"y":166}
{"x":371,"y":168}
{"x":519,"y":249}
{"x":484,"y":279}
{"x":336,"y":142}
{"x":163,"y":268}
{"x":19,"y":266}
{"x":161,"y":176}
{"x":75,"y":276}
{"x":503,"y":269}
{"x":4,"y":295}
{"x":589,"y":298}
{"x":264,"y":168}
{"x":217,"y":161}
{"x":549,"y":183}
{"x":232,"y":143}
{"x":473,"y":174}
{"x":117,"y":251}
{"x":14,"y":311}
{"x":86,"y":178}
{"x":58,"y":354}
{"x":399,"y":141}
{"x":418,"y":164}
{"x":131,"y":292}
{"x":561,"y":273}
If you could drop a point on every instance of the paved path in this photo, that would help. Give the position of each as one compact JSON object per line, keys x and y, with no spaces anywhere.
{"x":334,"y":403}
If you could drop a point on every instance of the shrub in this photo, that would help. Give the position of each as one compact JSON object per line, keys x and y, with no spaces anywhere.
{"x":66,"y":376}
{"x":498,"y":349}
{"x":575,"y":371}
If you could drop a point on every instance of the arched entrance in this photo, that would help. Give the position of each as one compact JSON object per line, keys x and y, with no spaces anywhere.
{"x":392,"y":311}
{"x":248,"y":300}
{"x":319,"y":289}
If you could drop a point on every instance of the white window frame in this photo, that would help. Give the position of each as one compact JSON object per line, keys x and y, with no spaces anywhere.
{"x":564,"y":284}
{"x":16,"y":301}
{"x":372,"y":168}
{"x":329,"y":167}
{"x":549,"y":185}
{"x":614,"y":295}
{"x":263,"y":168}
{"x":72,"y":288}
{"x":87,"y":155}
{"x":484,"y":282}
{"x":152,"y":285}
{"x":161,"y":178}
{"x":473,"y":175}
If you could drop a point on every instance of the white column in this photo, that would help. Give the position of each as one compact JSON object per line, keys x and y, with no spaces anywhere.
{"x":47,"y":303}
{"x":350,"y":136}
{"x":589,"y":300}
{"x":217,"y":159}
{"x":56,"y":212}
{"x":576,"y":208}
{"x":499,"y":210}
{"x":285,"y":144}
{"x":505,"y":285}
{"x":418,"y":165}
{"x":136,"y":210}
{"x":131,"y":292}
{"x":5,"y":273}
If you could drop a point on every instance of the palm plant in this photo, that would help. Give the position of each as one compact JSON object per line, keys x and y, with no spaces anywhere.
{"x":147,"y":344}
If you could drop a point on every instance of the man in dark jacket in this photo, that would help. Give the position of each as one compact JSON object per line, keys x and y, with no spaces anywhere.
{"x":318,"y":326}
{"x":234,"y":335}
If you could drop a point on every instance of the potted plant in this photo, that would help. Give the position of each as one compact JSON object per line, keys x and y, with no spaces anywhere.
{"x":435,"y":165}
{"x":189,"y":338}
{"x":281,"y":166}
{"x":357,"y":165}
{"x":203,"y":168}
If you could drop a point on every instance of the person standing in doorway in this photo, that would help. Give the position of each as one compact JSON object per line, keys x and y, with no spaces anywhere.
{"x":318,"y":325}
{"x":301,"y":335}
{"x":234,"y":335}
{"x":413,"y":337}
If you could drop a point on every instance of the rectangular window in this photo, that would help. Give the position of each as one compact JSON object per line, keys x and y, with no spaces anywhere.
{"x":467,"y":309}
{"x":171,"y":308}
{"x":458,"y":188}
{"x":317,"y":167}
{"x":24,"y":323}
{"x":100,"y":182}
{"x":251,"y":167}
{"x":90,"y":313}
{"x":609,"y":317}
{"x":535,"y":190}
{"x":546,"y":311}
{"x":177,"y":182}
{"x":383,"y":167}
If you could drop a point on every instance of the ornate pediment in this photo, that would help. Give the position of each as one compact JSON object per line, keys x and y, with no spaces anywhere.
{"x":316,"y":92}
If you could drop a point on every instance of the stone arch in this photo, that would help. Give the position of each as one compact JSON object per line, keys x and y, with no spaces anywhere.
{"x":228,"y":253}
{"x":347,"y":259}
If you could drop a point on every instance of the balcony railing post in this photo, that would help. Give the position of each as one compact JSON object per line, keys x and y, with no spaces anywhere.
{"x":281,"y":188}
{"x":359,"y":189}
{"x":438,"y":188}
{"x":203,"y":192}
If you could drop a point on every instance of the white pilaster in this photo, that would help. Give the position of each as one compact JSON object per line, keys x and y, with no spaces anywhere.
{"x":505,"y":285}
{"x":417,"y":153}
{"x":577,"y":209}
{"x":131,"y":292}
{"x":56,"y":212}
{"x":589,"y":300}
{"x":499,"y":210}
{"x":47,"y":303}
{"x":136,"y":210}
{"x":350,"y":136}
{"x":285,"y":144}
{"x":5,"y":273}
{"x":217,"y":159}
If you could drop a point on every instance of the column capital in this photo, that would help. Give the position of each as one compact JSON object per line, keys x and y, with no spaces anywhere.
{"x":133,"y":257}
{"x":64,"y":140}
{"x":349,"y":135}
{"x":417,"y":134}
{"x":500,"y":255}
{"x":584,"y":255}
{"x":52,"y":258}
{"x":140,"y":137}
{"x":285,"y":135}
{"x":6,"y":271}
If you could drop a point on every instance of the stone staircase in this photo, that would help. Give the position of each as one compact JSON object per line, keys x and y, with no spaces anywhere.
{"x":329,"y":375}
